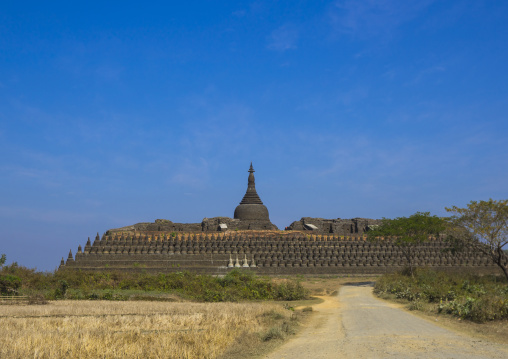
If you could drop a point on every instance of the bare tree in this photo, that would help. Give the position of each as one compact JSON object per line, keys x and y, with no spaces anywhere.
{"x":482,"y":226}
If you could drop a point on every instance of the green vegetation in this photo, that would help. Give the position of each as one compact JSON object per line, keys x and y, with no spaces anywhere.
{"x":237,"y":285}
{"x":409,"y":233}
{"x":466,"y":296}
{"x":483,"y":226}
{"x":9,"y":284}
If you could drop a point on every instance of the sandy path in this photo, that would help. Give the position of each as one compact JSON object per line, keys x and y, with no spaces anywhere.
{"x":357,"y":325}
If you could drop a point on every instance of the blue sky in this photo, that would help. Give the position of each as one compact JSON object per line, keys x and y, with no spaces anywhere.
{"x":120,"y":112}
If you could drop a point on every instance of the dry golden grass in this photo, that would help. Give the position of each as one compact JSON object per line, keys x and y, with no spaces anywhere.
{"x":105,"y":329}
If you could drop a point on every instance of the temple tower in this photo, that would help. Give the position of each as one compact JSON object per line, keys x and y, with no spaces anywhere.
{"x":251,"y":208}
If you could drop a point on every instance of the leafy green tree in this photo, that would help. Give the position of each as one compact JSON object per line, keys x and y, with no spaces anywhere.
{"x":409,"y":233}
{"x":3,"y":258}
{"x":482,"y":226}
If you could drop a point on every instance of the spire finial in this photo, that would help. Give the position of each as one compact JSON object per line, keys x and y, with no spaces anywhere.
{"x":251,"y":169}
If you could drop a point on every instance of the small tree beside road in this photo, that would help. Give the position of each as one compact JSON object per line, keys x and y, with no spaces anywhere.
{"x":409,"y":232}
{"x":482,"y":226}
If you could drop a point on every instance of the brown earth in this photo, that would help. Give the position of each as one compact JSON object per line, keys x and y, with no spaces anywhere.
{"x":355,"y":324}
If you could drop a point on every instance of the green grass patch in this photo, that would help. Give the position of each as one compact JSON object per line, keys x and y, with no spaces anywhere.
{"x":237,"y":285}
{"x":467,"y":296}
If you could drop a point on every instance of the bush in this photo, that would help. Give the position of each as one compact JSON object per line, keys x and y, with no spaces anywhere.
{"x":465,"y":296}
{"x":93,"y":296}
{"x":477,"y":309}
{"x":284,"y":328}
{"x":37,"y":299}
{"x":291,"y":290}
{"x":236,"y":285}
{"x":416,"y":305}
{"x":273,"y":333}
{"x":9,"y":284}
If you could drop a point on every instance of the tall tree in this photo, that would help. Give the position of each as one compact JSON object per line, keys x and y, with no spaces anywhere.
{"x":483,"y":226}
{"x":3,"y":258}
{"x":409,"y":232}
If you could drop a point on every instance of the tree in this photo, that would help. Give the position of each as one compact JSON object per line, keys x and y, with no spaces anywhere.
{"x":409,"y":232}
{"x":3,"y":258}
{"x":482,"y":226}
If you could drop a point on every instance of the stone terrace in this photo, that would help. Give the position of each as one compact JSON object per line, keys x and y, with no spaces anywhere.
{"x":264,"y":252}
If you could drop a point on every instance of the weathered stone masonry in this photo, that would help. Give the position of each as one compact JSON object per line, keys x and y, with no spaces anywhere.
{"x":262,"y":252}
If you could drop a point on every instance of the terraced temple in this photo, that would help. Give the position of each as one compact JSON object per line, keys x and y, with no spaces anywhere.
{"x":251,"y":241}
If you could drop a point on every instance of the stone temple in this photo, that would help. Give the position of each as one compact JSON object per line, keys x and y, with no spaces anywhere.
{"x":251,"y":241}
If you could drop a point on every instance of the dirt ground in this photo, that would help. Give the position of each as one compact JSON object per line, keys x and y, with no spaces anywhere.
{"x":355,"y":324}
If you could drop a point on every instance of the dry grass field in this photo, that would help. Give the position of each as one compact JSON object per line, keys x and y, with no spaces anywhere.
{"x":107,"y":329}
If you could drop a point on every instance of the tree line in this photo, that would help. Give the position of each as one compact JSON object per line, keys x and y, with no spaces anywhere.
{"x":481,"y":226}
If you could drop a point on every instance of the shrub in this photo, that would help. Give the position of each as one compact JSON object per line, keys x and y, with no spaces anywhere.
{"x":273,"y":314}
{"x":273,"y":333}
{"x":9,"y":284}
{"x":462,"y":295}
{"x":416,"y":305}
{"x":93,"y":296}
{"x":37,"y":299}
{"x":477,"y":309}
{"x":291,"y":290}
{"x":236,"y":285}
{"x":61,"y":291}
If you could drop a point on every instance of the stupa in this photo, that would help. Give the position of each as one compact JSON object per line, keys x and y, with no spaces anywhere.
{"x":251,"y":209}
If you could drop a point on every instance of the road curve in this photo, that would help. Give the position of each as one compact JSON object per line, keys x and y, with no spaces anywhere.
{"x":355,"y":324}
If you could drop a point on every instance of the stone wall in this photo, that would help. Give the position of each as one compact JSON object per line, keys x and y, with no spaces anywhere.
{"x":264,"y":253}
{"x":161,"y":225}
{"x":342,"y":227}
{"x":206,"y":225}
{"x":324,"y":226}
{"x":212,"y":224}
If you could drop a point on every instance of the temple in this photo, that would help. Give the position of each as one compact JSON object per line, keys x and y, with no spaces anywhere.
{"x":251,"y":241}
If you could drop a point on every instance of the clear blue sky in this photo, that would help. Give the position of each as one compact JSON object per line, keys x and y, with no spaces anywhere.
{"x":113,"y":113}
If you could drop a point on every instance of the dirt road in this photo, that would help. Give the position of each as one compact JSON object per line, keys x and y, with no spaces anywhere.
{"x":355,"y":324}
